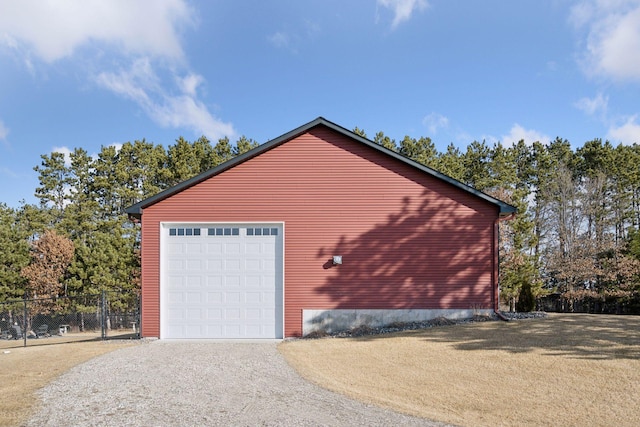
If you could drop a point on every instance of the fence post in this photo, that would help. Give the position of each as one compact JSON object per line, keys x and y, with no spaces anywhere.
{"x":24,"y":322}
{"x":103,"y":317}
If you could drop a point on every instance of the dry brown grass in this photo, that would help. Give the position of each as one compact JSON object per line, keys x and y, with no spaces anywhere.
{"x":570,"y":370}
{"x":24,"y":370}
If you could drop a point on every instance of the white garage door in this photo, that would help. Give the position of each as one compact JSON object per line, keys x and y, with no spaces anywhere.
{"x":221,"y":281}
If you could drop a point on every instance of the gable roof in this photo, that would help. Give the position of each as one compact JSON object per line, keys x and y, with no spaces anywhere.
{"x":136,"y":210}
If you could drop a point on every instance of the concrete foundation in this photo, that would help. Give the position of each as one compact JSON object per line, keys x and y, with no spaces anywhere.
{"x":341,"y":320}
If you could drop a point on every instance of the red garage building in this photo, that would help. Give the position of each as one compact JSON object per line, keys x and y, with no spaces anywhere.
{"x":317,"y":229}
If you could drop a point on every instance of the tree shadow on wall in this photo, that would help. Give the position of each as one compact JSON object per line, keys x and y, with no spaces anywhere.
{"x":433,"y":253}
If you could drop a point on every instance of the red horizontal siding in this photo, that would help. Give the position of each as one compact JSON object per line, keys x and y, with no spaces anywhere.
{"x":408,"y":240}
{"x":150,"y":310}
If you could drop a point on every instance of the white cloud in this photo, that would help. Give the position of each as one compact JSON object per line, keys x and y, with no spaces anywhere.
{"x":612,"y":47}
{"x":529,"y":136}
{"x":142,"y":85}
{"x":179,"y":111}
{"x":8,"y":172}
{"x":52,"y":30}
{"x":594,"y":106}
{"x":290,"y":41}
{"x":312,"y":29}
{"x":434,"y":122}
{"x":131,"y":83}
{"x":189,"y":84}
{"x":4,"y":131}
{"x":144,"y":33}
{"x":293,"y":39}
{"x":280,"y":39}
{"x":403,"y":9}
{"x":628,"y":133}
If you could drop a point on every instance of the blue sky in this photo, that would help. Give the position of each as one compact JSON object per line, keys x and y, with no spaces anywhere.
{"x":89,"y":73}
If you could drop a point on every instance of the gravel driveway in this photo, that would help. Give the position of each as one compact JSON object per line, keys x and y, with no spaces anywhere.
{"x":199,"y":384}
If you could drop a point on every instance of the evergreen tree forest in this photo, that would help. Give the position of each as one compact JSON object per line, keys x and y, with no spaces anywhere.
{"x":576,"y":234}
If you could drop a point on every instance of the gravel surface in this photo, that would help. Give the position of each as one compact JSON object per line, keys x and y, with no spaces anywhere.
{"x":192,"y":383}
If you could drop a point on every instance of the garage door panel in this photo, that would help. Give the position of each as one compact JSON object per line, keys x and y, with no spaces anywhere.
{"x":231,"y":249}
{"x":214,"y":297}
{"x":231,"y":314}
{"x":193,"y":264}
{"x":231,"y":265}
{"x":214,"y":282}
{"x":175,"y":282}
{"x":268,"y":312}
{"x":233,"y":297}
{"x":214,"y":330}
{"x":253,"y":264}
{"x":268,"y":267}
{"x":214,"y":264}
{"x":193,"y":298}
{"x":193,"y":248}
{"x":174,"y":315}
{"x":193,"y":281}
{"x":214,"y":314}
{"x":253,"y":297}
{"x":265,"y":281}
{"x":268,"y":249}
{"x":231,"y":281}
{"x":232,"y":330}
{"x":222,"y":282}
{"x":255,"y":330}
{"x":254,"y":314}
{"x":175,"y":297}
{"x":175,"y":248}
{"x":269,"y":298}
{"x":175,"y":331}
{"x":175,"y":265}
{"x":214,"y":248}
{"x":195,"y":331}
{"x":253,"y":282}
{"x":193,"y":314}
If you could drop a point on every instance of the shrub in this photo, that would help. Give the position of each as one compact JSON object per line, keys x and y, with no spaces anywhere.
{"x":317,"y":334}
{"x":526,"y":300}
{"x":362,"y":330}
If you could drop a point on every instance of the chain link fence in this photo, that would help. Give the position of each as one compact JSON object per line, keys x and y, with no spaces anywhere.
{"x":109,"y":315}
{"x":596,"y":304}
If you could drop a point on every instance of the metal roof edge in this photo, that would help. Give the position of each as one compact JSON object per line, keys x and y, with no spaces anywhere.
{"x":136,"y":209}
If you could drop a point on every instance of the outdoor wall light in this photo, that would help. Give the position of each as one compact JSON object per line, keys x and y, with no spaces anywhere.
{"x":337,"y":259}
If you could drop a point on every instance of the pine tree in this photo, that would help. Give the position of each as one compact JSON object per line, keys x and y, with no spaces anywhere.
{"x":53,"y":175}
{"x":422,"y":150}
{"x":385,"y":141}
{"x":476,"y":159}
{"x":243,"y":145}
{"x":14,"y":254}
{"x":451,"y":163}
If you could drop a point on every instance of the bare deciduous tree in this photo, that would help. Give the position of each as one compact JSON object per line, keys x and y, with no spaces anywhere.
{"x":51,"y":255}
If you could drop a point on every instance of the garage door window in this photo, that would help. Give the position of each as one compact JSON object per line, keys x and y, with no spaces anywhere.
{"x":262,"y":231}
{"x":184,"y":232}
{"x":223,"y":232}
